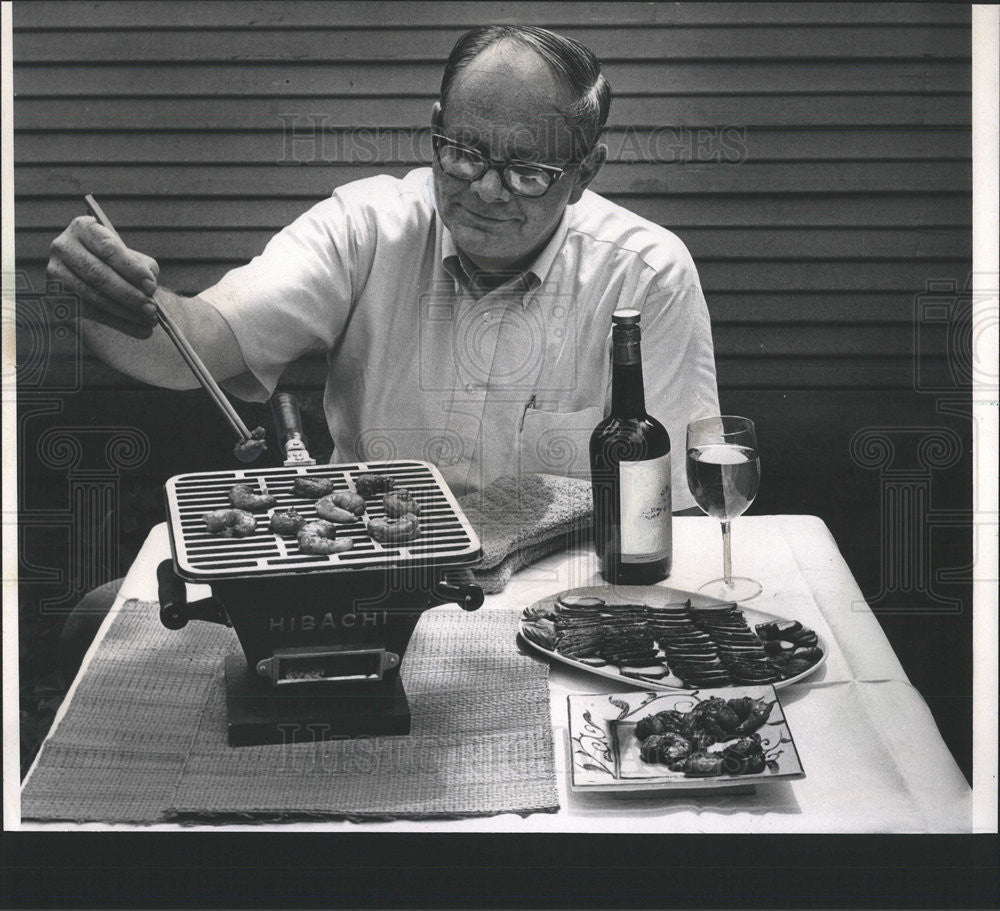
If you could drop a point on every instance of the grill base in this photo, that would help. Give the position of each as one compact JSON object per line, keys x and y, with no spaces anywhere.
{"x":322,"y":635}
{"x":259,"y":713}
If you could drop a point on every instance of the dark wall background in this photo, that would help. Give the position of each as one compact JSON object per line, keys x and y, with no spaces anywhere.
{"x":816,"y":158}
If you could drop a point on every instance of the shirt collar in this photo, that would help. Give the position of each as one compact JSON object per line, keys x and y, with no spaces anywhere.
{"x":532,"y":277}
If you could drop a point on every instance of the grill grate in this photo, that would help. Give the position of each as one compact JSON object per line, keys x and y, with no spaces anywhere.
{"x":446,"y":537}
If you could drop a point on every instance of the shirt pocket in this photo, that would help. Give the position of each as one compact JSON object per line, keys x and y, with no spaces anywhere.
{"x":558,"y":442}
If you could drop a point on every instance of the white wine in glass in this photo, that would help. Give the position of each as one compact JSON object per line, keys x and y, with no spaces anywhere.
{"x":723,"y":473}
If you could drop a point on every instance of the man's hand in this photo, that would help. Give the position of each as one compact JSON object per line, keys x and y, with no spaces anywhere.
{"x":115,"y":283}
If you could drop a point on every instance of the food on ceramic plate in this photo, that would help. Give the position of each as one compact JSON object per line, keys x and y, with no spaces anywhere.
{"x":714,"y":647}
{"x":230,"y":523}
{"x":249,"y":498}
{"x":248,"y":450}
{"x":702,"y":647}
{"x":541,"y":631}
{"x":710,"y":721}
{"x":665,"y":748}
{"x":320,"y":537}
{"x":398,"y":502}
{"x":341,"y":507}
{"x":369,"y":484}
{"x":394,"y":531}
{"x":745,"y":757}
{"x":286,"y":522}
{"x":789,"y":645}
{"x":313,"y":488}
{"x":681,"y":740}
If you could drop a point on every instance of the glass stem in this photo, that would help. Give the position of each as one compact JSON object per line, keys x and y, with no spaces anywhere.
{"x":727,"y":559}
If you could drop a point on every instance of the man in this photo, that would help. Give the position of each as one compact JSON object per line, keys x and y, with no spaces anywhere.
{"x":465,"y":309}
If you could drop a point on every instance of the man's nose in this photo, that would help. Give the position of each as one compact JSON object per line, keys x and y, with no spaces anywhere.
{"x":489,"y":187}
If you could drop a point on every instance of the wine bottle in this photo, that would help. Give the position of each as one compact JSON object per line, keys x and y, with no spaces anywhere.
{"x":630,"y":472}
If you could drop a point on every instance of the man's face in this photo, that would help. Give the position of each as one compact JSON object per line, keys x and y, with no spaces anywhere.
{"x":506,"y":104}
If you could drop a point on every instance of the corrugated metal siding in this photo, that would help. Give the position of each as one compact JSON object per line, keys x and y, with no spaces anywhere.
{"x":815,"y":158}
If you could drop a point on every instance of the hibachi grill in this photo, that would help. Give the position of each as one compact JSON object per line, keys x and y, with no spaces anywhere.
{"x":323,"y":636}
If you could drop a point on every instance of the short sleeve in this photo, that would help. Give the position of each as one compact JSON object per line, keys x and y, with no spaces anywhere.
{"x":678,"y":360}
{"x":296,"y":296}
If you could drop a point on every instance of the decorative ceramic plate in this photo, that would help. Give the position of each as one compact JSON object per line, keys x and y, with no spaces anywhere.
{"x":605,"y":750}
{"x":656,"y":673}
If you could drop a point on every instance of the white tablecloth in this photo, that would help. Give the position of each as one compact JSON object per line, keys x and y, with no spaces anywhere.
{"x":872,"y":754}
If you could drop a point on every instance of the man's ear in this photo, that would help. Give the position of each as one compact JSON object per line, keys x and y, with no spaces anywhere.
{"x":587,"y":171}
{"x":436,"y":116}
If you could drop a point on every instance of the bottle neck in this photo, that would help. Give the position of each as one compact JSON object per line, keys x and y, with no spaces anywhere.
{"x":628,"y":398}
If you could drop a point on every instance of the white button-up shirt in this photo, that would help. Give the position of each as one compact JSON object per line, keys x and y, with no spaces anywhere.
{"x":421,"y":363}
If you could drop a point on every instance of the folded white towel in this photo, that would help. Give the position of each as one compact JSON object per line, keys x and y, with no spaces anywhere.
{"x":520,"y":519}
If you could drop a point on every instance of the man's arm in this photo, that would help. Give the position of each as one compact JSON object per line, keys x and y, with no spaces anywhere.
{"x":116,"y":286}
{"x":677,"y":340}
{"x":155,"y":360}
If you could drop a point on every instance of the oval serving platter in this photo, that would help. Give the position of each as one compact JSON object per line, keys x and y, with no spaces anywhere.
{"x":653,"y":595}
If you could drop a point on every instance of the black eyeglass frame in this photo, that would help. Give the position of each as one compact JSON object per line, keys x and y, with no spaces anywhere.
{"x":501,"y":167}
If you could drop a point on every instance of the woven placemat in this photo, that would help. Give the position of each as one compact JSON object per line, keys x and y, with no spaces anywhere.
{"x":144,"y":739}
{"x":480,"y":742}
{"x":119,"y":750}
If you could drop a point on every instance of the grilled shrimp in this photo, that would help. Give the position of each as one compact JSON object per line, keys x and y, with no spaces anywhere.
{"x":369,"y":484}
{"x":247,"y":497}
{"x":399,"y":502}
{"x":319,"y":537}
{"x":392,"y":531}
{"x":230,"y":523}
{"x":312,"y":488}
{"x":330,"y":508}
{"x":286,"y":522}
{"x":248,"y":450}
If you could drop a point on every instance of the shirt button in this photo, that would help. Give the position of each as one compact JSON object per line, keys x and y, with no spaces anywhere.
{"x":487,"y":317}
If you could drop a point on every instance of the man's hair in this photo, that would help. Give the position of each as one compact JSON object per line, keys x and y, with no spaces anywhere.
{"x":568,"y":59}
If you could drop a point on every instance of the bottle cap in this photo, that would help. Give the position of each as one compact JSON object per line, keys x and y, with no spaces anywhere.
{"x":626,"y":317}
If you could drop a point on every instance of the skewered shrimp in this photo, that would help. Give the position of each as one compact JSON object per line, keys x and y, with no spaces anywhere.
{"x":248,"y":450}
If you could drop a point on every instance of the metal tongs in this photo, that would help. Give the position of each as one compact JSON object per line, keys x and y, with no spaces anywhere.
{"x":251,"y":443}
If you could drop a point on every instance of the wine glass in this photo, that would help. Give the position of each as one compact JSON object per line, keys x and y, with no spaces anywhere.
{"x":723,"y":472}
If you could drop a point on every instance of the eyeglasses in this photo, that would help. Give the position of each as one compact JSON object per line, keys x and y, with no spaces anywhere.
{"x":520,"y":177}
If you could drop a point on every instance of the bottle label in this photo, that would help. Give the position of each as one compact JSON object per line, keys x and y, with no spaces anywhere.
{"x":645,"y":510}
